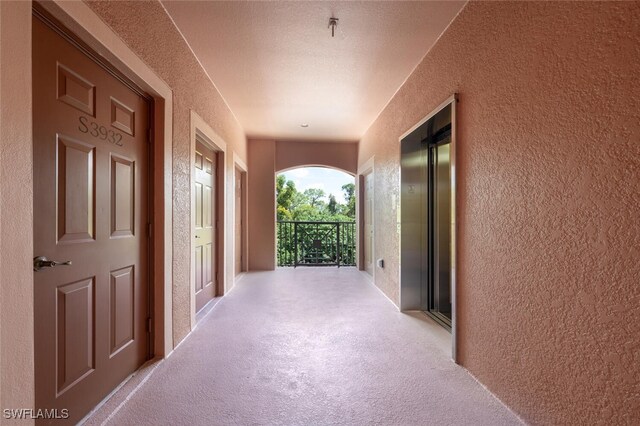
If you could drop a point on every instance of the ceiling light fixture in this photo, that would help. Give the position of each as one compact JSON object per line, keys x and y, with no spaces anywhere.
{"x":304,"y":125}
{"x":333,"y":23}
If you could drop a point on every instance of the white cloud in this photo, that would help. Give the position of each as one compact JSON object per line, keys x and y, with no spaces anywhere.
{"x":299,"y":173}
{"x":317,"y":185}
{"x":339,"y":197}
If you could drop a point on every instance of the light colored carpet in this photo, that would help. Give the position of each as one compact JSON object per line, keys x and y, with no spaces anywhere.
{"x":311,"y":346}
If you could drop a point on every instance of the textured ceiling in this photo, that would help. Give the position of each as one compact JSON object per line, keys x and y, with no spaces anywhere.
{"x":277,"y":65}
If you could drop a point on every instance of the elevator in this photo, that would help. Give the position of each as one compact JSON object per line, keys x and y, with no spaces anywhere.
{"x":427,"y":258}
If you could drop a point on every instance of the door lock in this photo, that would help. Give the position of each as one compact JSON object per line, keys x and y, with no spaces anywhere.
{"x":41,"y":262}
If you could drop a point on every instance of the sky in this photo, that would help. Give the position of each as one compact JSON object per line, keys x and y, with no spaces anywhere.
{"x":329,"y":180}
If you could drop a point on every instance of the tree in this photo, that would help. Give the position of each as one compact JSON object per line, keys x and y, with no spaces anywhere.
{"x":311,"y":205}
{"x":315,"y":196}
{"x":283,"y":214}
{"x":285,"y":193}
{"x":298,"y":200}
{"x":349,"y":209}
{"x":332,"y":207}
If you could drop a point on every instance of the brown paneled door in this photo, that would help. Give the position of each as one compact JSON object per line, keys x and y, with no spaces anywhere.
{"x":238,"y":222}
{"x":90,"y":155}
{"x":205,"y":253}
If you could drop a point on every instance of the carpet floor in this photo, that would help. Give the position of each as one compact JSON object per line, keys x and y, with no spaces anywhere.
{"x":311,"y":346}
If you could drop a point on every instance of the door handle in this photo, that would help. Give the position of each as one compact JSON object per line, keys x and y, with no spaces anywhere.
{"x":41,"y":262}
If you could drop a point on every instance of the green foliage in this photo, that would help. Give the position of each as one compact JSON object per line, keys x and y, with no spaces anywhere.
{"x":314,"y":205}
{"x":285,"y":192}
{"x":310,"y":205}
{"x":332,"y":207}
{"x":349,"y":209}
{"x":314,"y":197}
{"x":284,"y":214}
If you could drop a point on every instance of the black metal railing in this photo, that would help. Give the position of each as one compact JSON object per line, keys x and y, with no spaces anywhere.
{"x":316,"y":243}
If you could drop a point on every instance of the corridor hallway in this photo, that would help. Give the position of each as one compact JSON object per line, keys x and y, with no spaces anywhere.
{"x":308,"y":346}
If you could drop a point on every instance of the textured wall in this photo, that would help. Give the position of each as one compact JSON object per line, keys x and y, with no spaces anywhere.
{"x":16,"y":199}
{"x":149,"y":31}
{"x":261,"y":203}
{"x":549,"y":204}
{"x":338,"y":155}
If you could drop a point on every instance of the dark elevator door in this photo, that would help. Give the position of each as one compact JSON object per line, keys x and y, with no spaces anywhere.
{"x":439,"y":231}
{"x":428,"y":217}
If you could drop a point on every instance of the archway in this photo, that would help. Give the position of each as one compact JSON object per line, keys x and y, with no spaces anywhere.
{"x":266,"y":158}
{"x":315,"y":217}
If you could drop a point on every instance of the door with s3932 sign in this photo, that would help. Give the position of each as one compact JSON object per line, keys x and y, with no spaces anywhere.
{"x":91,"y":290}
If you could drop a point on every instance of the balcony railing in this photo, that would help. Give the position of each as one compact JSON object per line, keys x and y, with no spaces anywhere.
{"x":316,"y":243}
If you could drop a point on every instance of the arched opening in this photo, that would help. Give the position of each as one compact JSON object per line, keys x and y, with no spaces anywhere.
{"x":315,"y":214}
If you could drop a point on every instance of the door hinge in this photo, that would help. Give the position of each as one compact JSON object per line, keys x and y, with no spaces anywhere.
{"x":149,"y":230}
{"x":149,"y":134}
{"x":149,"y":324}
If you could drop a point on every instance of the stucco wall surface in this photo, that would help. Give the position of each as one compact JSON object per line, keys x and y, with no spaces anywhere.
{"x":549,"y":200}
{"x":261,"y":190}
{"x":338,"y":155}
{"x":148,"y":30}
{"x":16,"y":197}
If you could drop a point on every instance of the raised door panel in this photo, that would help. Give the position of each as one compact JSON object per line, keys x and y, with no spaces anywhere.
{"x":207,"y":264}
{"x":198,"y":160}
{"x":76,"y":91}
{"x":210,"y":193}
{"x":208,"y":165}
{"x":122,"y":196}
{"x":199,"y":207}
{"x":199,"y":280}
{"x":75,"y":332}
{"x":122,"y":309}
{"x":76,"y":180}
{"x":206,"y":207}
{"x":122,"y":117}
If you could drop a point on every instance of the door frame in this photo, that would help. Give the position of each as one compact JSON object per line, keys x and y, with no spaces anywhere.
{"x":84,"y":25}
{"x":16,"y":133}
{"x":201,"y":131}
{"x":453,"y":101}
{"x":367,"y":167}
{"x":242,"y":166}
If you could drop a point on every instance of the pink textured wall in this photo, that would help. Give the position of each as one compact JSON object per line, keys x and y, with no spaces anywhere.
{"x":16,"y":200}
{"x":338,"y":155}
{"x":261,"y":189}
{"x":549,"y":204}
{"x":149,"y":31}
